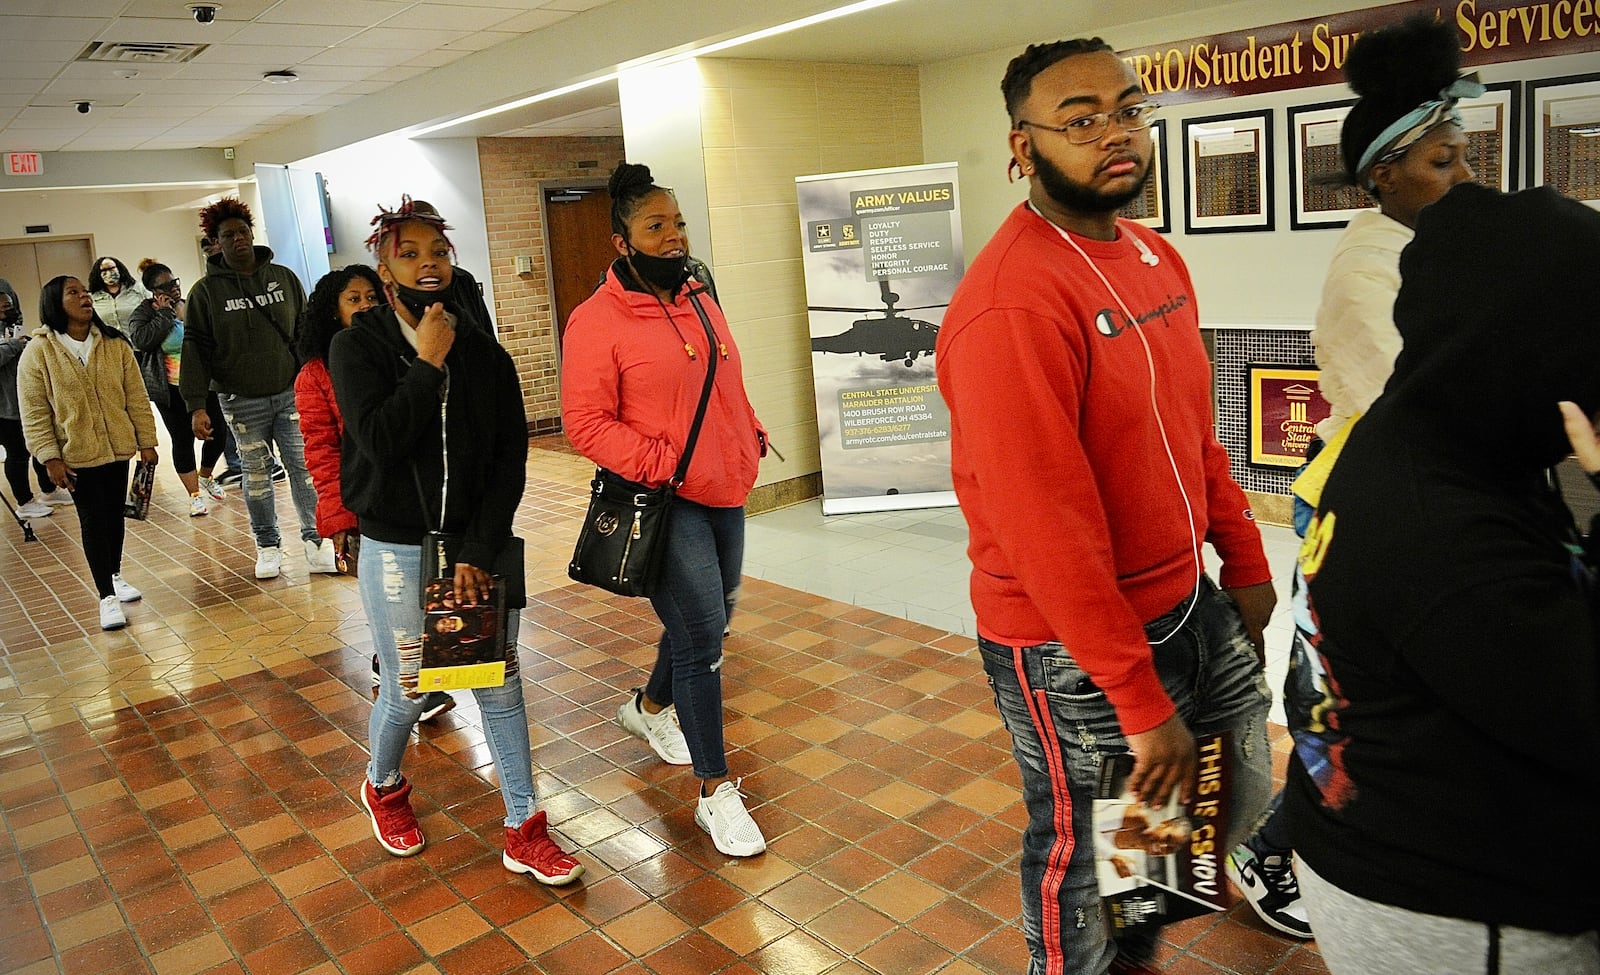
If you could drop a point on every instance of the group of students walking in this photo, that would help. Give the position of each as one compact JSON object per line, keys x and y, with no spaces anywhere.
{"x":1446,"y":688}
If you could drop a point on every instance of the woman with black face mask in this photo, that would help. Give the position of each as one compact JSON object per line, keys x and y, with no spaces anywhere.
{"x":635,"y":359}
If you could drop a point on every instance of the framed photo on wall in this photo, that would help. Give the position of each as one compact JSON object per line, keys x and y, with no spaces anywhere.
{"x":1318,"y":195}
{"x":1492,"y":123}
{"x":1150,"y":207}
{"x":1564,"y":136}
{"x":1227,"y":173}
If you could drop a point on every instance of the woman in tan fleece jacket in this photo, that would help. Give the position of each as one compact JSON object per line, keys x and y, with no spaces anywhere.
{"x":84,"y":414}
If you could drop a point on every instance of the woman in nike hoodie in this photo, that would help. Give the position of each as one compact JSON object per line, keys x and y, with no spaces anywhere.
{"x":635,"y":358}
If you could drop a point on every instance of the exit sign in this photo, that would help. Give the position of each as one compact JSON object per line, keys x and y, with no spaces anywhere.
{"x":24,"y":164}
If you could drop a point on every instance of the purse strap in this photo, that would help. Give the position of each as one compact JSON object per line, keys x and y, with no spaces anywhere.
{"x":695,"y":291}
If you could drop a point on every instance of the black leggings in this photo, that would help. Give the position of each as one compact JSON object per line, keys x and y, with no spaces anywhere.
{"x":99,"y":492}
{"x":175,"y":416}
{"x":17,"y":463}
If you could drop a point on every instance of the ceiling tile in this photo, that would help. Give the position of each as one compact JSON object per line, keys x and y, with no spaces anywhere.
{"x":332,"y":72}
{"x":103,"y":71}
{"x":29,"y":29}
{"x":481,"y":41}
{"x":575,"y":4}
{"x":399,"y":73}
{"x":291,"y":35}
{"x":438,"y":16}
{"x":346,"y":13}
{"x":365,"y":57}
{"x":52,"y":8}
{"x":276,"y":55}
{"x":25,"y":75}
{"x":227,"y":10}
{"x":159,"y":30}
{"x":394,"y":38}
{"x":533,"y":20}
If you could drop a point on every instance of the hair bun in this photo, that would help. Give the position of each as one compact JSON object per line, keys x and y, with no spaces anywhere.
{"x":629,"y":179}
{"x":146,"y":264}
{"x":1406,"y":62}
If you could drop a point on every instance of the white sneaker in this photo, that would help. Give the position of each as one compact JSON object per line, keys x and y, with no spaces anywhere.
{"x":660,"y":729}
{"x":211,"y":489}
{"x":197,"y":506}
{"x":125,"y":593}
{"x":58,"y":496}
{"x":111,"y":617}
{"x":722,"y":814}
{"x":269,"y":562}
{"x":319,"y":556}
{"x":35,"y":509}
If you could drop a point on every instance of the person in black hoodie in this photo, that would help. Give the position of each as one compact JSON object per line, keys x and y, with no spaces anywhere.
{"x":435,"y":436}
{"x":239,"y":342}
{"x":1442,"y":805}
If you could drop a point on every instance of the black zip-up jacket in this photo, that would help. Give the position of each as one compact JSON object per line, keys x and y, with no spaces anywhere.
{"x":392,"y":404}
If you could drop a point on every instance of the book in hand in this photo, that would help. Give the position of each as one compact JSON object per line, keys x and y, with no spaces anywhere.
{"x":1161,"y":865}
{"x":137,"y":504}
{"x":462,"y":646}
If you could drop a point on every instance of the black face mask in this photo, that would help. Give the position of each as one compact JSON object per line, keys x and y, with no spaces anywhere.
{"x":665,"y":273}
{"x":418,"y":302}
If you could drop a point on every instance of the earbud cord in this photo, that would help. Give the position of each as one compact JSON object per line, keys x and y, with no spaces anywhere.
{"x":1194,"y":536}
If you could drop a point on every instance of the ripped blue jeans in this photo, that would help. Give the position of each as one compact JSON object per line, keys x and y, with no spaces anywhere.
{"x":1208,"y":668}
{"x":258,"y":423}
{"x":390,"y":579}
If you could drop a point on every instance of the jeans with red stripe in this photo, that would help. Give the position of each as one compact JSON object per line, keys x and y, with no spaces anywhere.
{"x":1063,"y":727}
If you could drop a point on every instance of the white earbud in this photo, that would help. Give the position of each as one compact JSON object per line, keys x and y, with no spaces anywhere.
{"x":1146,"y":255}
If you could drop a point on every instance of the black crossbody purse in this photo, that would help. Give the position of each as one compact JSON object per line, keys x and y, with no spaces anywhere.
{"x":625,"y":529}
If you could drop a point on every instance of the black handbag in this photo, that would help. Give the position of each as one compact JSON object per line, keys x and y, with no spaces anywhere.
{"x":624,"y":531}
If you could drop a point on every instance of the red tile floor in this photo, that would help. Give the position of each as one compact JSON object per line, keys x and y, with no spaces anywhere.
{"x":179,"y":797}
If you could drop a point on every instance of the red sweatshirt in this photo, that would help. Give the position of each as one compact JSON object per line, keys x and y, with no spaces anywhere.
{"x":322,"y":429}
{"x":629,"y":390}
{"x":1078,"y":530}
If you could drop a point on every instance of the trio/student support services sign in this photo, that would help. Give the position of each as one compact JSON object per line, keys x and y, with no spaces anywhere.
{"x":1310,"y":52}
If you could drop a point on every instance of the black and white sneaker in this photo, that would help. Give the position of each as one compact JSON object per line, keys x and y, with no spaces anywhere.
{"x":1269,"y":884}
{"x":435,"y":704}
{"x":377,"y":678}
{"x":230,"y":477}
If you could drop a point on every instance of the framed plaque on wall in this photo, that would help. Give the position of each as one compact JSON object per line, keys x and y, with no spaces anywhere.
{"x":1493,"y":124}
{"x":1564,"y":136}
{"x":1227,"y":172}
{"x":1151,"y":206}
{"x":1286,"y":405}
{"x":1319,"y":194}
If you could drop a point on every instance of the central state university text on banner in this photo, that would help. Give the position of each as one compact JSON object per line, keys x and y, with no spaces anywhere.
{"x":1305,"y":53}
{"x":882,"y":255}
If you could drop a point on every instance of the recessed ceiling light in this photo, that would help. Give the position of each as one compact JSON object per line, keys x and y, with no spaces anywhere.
{"x":280,"y":77}
{"x":126,"y":74}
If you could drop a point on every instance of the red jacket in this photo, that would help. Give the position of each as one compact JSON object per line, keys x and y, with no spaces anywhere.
{"x":1078,"y":532}
{"x":629,"y":390}
{"x":322,"y":429}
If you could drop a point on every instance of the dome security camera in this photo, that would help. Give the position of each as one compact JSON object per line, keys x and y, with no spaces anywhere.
{"x":204,"y":13}
{"x":84,"y":108}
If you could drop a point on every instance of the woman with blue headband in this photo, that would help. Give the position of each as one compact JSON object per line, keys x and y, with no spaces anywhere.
{"x":1403,"y":144}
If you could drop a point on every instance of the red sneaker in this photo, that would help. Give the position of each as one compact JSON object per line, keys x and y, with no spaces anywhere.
{"x":393,"y":822}
{"x":529,"y":849}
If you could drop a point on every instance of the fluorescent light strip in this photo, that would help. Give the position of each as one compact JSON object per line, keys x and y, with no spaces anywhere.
{"x":812,"y":20}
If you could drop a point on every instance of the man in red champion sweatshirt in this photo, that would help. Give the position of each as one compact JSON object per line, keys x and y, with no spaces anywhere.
{"x":1088,"y":471}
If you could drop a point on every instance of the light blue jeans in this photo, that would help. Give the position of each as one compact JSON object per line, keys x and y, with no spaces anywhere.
{"x":1062,"y":728}
{"x":390,"y":577}
{"x":257,"y":421}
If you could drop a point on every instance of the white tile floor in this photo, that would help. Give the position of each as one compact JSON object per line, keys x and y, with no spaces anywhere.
{"x":913,"y":564}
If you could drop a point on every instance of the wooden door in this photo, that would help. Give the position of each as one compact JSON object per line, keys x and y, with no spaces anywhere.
{"x":579,"y":224}
{"x":28,"y":264}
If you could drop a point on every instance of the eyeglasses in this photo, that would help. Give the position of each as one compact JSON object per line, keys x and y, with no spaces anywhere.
{"x":1092,"y":128}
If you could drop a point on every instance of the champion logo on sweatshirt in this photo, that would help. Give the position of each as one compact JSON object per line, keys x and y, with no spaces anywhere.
{"x":1112,"y":323}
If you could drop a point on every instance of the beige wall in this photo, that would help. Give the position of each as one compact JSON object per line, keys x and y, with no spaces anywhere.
{"x":128,"y":224}
{"x":762,"y":124}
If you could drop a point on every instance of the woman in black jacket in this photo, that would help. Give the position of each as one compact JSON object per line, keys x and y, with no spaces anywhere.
{"x":434,"y":422}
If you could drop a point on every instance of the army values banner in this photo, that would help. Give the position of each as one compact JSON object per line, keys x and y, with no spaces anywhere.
{"x":883,"y":254}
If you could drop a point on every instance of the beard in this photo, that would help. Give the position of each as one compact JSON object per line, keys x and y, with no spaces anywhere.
{"x":1077,"y":196}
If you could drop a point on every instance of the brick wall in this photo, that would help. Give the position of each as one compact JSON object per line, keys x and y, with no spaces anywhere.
{"x":514,"y":173}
